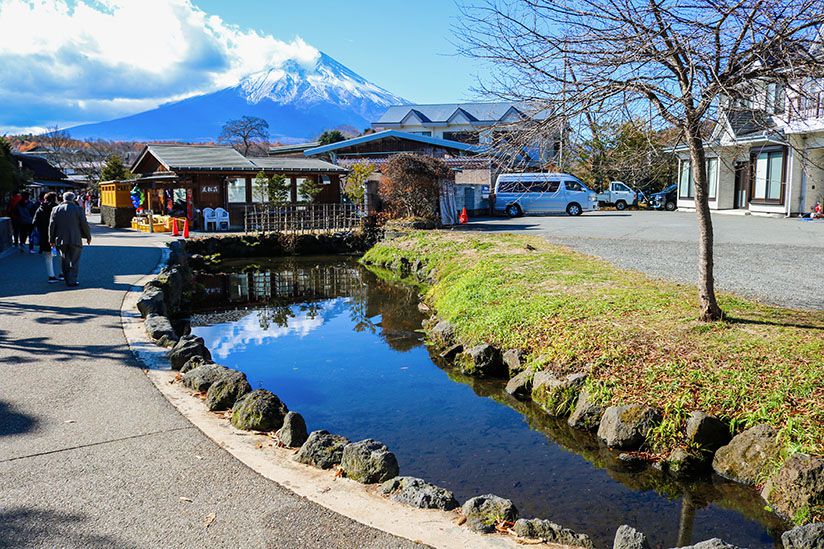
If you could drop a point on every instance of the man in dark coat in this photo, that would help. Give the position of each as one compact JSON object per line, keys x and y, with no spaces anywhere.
{"x":67,"y":230}
{"x":42,"y":218}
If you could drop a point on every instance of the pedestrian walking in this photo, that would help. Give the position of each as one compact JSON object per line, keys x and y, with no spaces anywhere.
{"x":25,"y":221}
{"x":42,"y":217}
{"x":67,"y":230}
{"x":12,"y":213}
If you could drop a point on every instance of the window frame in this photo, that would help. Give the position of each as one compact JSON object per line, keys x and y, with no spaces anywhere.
{"x":712,"y":196}
{"x":229,"y":182}
{"x":770,"y":151}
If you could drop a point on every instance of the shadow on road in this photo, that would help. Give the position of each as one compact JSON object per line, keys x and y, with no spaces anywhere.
{"x":14,"y":423}
{"x":26,"y":526}
{"x":37,"y":349}
{"x":25,"y":274}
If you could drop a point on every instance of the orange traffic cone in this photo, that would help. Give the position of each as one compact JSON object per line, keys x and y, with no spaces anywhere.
{"x":175,"y":230}
{"x":186,"y":228}
{"x":464,"y":217}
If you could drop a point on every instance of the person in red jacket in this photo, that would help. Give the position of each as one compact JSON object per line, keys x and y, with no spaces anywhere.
{"x":12,"y":213}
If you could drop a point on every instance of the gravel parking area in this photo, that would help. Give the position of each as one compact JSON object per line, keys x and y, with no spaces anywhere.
{"x":777,"y":261}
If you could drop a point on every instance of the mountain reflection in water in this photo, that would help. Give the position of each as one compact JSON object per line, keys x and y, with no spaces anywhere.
{"x":342,"y":347}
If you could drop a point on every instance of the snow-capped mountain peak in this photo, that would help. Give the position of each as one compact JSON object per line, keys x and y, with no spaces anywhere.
{"x":324,"y":81}
{"x":298,"y":100}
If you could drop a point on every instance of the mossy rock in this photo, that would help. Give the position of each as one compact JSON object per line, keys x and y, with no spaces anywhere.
{"x":259,"y":410}
{"x":224,"y":392}
{"x":556,"y":396}
{"x":484,"y":512}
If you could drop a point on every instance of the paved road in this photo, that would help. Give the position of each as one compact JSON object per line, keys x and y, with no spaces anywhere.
{"x":778,"y":261}
{"x":91,"y":455}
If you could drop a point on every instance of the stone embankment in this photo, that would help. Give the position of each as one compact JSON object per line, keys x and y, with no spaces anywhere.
{"x":368,"y":461}
{"x":792,"y":490}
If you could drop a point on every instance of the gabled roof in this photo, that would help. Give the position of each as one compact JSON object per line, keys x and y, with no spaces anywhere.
{"x":210,"y":158}
{"x":377,"y":136}
{"x":196,"y":157}
{"x":745,"y":123}
{"x":478,"y":113}
{"x":40,"y":167}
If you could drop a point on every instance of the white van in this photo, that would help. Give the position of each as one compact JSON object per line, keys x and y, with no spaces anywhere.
{"x":522,"y":193}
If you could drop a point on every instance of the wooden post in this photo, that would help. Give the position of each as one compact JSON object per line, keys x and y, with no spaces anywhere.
{"x":293,"y":189}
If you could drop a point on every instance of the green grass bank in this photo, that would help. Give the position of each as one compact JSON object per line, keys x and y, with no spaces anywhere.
{"x":638,"y":338}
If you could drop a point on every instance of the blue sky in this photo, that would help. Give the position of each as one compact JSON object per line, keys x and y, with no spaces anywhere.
{"x":73,"y":61}
{"x":403,"y":46}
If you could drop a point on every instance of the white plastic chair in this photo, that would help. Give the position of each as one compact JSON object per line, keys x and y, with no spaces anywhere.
{"x":222,"y":219}
{"x":209,"y":218}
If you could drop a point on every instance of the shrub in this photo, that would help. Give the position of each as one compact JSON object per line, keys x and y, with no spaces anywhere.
{"x":411,"y":185}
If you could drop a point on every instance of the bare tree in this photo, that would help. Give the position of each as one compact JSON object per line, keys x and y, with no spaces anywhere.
{"x":246,"y":134}
{"x":76,"y":157}
{"x":672,"y":60}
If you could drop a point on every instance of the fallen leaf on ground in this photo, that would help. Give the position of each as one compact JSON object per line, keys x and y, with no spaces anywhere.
{"x":210,"y":518}
{"x":198,"y":457}
{"x":70,"y":421}
{"x":184,"y":498}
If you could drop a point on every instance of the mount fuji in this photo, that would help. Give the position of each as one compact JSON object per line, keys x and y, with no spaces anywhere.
{"x":298,"y":101}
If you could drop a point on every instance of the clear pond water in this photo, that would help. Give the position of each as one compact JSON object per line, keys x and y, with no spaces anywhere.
{"x":343,"y":348}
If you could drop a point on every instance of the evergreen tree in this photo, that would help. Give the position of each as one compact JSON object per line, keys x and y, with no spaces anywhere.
{"x":12,"y":178}
{"x":114,"y":170}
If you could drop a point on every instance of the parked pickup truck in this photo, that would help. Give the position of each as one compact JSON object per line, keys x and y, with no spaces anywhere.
{"x":619,"y":195}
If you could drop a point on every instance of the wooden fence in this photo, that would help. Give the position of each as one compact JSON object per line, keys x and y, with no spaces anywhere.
{"x":302,"y":218}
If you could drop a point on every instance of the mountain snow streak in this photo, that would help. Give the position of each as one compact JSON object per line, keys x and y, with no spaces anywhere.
{"x":297,"y":100}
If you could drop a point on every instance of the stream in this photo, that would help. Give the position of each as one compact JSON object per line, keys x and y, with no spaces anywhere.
{"x":344,"y":348}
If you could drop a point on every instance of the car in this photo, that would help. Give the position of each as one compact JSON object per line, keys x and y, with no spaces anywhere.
{"x":618,"y":194}
{"x":667,"y":199}
{"x":518,"y":194}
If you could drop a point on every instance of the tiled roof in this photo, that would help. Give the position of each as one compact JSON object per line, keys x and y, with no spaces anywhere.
{"x":445,"y":143}
{"x":463,"y":162}
{"x":298,"y":147}
{"x":210,"y":158}
{"x":40,"y":167}
{"x":290,"y":164}
{"x":747,"y":122}
{"x":487,"y":113}
{"x":199,"y":157}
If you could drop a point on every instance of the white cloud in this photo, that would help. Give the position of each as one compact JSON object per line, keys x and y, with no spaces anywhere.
{"x":92,"y":60}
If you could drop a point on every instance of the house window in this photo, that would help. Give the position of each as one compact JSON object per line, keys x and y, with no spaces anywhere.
{"x":769,"y":176}
{"x":237,"y":190}
{"x":775,"y":98}
{"x":686,"y":186}
{"x":712,"y":177}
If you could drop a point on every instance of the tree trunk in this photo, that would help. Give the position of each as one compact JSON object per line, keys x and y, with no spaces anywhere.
{"x":710,"y":311}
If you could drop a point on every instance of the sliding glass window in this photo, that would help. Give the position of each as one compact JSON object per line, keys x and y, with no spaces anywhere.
{"x":686,"y":185}
{"x":769,"y":175}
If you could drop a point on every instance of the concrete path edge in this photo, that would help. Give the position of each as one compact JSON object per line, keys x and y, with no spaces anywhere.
{"x":343,"y":496}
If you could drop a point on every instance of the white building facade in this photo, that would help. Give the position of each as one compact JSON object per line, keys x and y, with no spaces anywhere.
{"x":765,"y":155}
